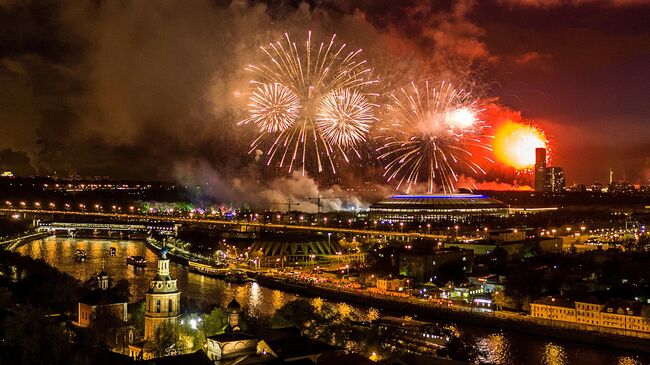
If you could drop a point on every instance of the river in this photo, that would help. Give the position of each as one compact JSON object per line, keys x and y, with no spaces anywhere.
{"x":499,"y":347}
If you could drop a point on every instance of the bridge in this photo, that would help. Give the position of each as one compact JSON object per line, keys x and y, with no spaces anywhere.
{"x":70,"y":226}
{"x":237,"y":225}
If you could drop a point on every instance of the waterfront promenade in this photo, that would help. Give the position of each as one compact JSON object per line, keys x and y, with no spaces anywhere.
{"x":429,"y":309}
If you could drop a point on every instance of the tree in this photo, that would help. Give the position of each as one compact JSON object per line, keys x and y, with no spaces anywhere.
{"x":499,"y":259}
{"x":373,"y":314}
{"x":6,"y":300}
{"x":121,"y":290}
{"x":214,"y":322}
{"x":30,"y":338}
{"x":524,"y":285}
{"x":461,"y":348}
{"x":136,"y":317}
{"x":294,"y":313}
{"x":532,"y":250}
{"x":166,"y":340}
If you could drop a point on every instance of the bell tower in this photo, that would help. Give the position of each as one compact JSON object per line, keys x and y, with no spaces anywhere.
{"x":233,"y":316}
{"x":102,"y":280}
{"x":162,"y":300}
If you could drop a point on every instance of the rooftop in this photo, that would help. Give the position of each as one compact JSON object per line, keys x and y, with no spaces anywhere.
{"x":439,"y":201}
{"x":230,"y":337}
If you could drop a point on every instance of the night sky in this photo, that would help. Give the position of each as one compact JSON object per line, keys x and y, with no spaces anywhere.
{"x":152,"y":90}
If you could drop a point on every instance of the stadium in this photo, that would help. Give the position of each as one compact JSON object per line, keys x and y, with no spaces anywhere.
{"x":437,"y":208}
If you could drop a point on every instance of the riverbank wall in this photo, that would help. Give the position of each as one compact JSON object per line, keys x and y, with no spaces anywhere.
{"x":447,"y":314}
{"x":23,"y":239}
{"x":152,"y":245}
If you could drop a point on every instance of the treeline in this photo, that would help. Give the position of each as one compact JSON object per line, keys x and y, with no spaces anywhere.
{"x":36,"y":304}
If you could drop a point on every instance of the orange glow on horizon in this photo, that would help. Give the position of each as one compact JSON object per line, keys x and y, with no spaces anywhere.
{"x":515,"y":143}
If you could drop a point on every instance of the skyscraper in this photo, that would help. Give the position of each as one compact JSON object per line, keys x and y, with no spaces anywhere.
{"x":555,"y":176}
{"x":547,"y":179}
{"x":541,"y":177}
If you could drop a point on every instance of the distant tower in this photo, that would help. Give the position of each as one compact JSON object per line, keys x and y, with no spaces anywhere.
{"x":233,"y":316}
{"x":163,"y":299}
{"x":611,"y":176}
{"x":540,"y":170}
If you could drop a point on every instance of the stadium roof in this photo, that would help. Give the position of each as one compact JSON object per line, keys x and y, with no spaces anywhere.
{"x":439,"y":201}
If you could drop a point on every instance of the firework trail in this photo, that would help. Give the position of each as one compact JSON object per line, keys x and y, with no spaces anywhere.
{"x":429,"y":134}
{"x":309,"y":101}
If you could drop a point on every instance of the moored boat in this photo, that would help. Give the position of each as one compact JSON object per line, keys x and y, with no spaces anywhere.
{"x":138,"y":261}
{"x":80,"y":255}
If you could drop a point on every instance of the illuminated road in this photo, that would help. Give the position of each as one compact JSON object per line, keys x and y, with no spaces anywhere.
{"x":122,"y":216}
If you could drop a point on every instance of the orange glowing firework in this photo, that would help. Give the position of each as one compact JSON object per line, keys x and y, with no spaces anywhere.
{"x":514,"y":144}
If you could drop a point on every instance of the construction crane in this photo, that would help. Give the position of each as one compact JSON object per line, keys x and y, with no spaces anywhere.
{"x":318,"y":198}
{"x":288,"y":204}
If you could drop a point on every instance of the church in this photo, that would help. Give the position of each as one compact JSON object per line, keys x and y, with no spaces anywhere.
{"x":107,"y":311}
{"x":163,"y":299}
{"x":162,"y":305}
{"x":234,"y":346}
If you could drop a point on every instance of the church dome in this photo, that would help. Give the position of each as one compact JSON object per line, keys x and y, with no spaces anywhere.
{"x":234,"y":305}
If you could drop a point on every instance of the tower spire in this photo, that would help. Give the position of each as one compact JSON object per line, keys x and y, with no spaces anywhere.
{"x":162,"y":299}
{"x":611,"y":176}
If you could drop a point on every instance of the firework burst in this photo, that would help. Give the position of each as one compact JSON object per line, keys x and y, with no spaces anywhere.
{"x":430,"y":135}
{"x":344,"y":118}
{"x":309,"y":102}
{"x":273,"y":108}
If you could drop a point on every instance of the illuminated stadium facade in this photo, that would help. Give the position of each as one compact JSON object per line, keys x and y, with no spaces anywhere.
{"x":437,"y":208}
{"x":295,"y":245}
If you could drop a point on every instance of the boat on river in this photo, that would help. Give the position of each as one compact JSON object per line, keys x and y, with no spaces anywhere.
{"x":112,"y":251}
{"x":137,"y":261}
{"x":219,"y":272}
{"x":237,"y":276}
{"x":80,"y":255}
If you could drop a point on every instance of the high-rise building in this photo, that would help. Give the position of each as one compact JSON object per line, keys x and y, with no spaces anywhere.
{"x":541,"y":177}
{"x":555,"y":176}
{"x":547,"y":179}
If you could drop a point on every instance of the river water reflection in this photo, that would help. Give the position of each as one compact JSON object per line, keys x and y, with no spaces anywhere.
{"x":497,"y":347}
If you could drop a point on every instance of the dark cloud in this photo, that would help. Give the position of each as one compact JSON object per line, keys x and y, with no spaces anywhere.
{"x":16,"y":162}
